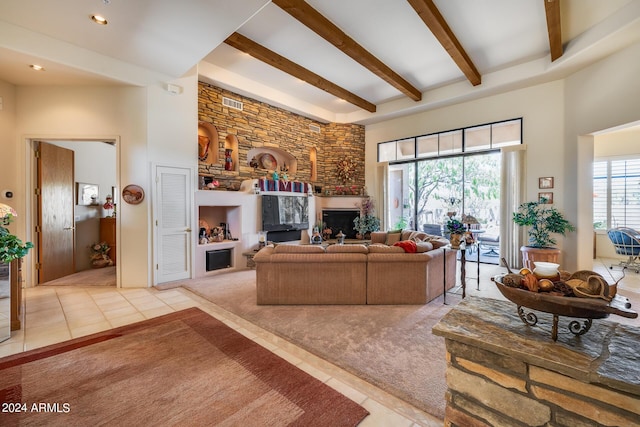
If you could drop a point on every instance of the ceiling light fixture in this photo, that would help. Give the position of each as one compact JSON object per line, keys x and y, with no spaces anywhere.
{"x":99,"y":19}
{"x":37,"y":67}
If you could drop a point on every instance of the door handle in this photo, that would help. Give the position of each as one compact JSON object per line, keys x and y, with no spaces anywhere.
{"x":69,"y":228}
{"x":188,"y":230}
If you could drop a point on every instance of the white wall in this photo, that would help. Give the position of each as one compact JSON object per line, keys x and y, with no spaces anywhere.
{"x":8,"y":151}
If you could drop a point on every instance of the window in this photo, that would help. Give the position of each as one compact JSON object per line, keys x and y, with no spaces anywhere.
{"x":616,"y":194}
{"x":457,"y":169}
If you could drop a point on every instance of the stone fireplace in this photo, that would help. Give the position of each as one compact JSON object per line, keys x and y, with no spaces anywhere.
{"x":341,"y":220}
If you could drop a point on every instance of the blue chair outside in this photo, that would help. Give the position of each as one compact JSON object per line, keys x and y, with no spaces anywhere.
{"x":626,"y":241}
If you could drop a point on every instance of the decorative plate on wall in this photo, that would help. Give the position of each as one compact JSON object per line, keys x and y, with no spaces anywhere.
{"x":133,"y":194}
{"x":267,"y":161}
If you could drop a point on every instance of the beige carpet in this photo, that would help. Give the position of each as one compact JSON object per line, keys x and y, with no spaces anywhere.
{"x":391,"y":347}
{"x":95,"y":277}
{"x":184,"y":368}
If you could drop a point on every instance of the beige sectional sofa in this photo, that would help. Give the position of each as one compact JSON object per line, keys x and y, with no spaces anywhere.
{"x":379,"y":273}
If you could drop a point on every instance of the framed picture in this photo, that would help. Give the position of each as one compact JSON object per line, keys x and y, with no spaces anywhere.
{"x":545,"y":198}
{"x":87,"y":194}
{"x":546,"y":182}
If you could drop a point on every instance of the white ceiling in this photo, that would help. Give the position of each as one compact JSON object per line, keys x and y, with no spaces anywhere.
{"x":151,"y":40}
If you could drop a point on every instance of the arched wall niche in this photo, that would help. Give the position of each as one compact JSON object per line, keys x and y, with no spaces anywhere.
{"x":272,"y":158}
{"x":313,"y":162}
{"x":231,"y":143}
{"x":207,"y":143}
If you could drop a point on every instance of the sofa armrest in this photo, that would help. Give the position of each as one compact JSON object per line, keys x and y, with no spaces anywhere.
{"x":264,"y":254}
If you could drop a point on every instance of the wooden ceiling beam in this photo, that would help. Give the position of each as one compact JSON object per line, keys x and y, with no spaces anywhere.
{"x":310,"y":17}
{"x":552,"y":10}
{"x":431,"y":16}
{"x":270,"y":57}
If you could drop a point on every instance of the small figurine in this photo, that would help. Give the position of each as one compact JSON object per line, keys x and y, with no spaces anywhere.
{"x":275,"y":175}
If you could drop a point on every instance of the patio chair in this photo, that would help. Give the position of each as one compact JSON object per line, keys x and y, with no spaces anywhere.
{"x":490,"y":241}
{"x":434,"y":229}
{"x":626,"y":241}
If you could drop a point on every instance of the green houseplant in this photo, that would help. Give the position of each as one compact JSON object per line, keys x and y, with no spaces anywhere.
{"x":11,"y":247}
{"x":542,"y":221}
{"x":456,"y":229}
{"x":367,"y":221}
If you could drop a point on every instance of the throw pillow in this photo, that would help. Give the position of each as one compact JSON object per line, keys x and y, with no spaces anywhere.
{"x":393,"y":236}
{"x":423,"y":247}
{"x":409,"y":246}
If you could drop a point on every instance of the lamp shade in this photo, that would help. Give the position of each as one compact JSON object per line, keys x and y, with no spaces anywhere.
{"x":6,"y":210}
{"x":468,"y":219}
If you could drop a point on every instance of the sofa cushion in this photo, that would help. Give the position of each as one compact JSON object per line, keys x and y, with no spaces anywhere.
{"x":299,"y":249}
{"x":378,"y":236}
{"x":393,"y":236}
{"x":357,"y":249}
{"x":379,"y":248}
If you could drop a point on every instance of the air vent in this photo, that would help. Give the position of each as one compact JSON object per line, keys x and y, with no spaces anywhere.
{"x":232,"y":103}
{"x":314,"y":128}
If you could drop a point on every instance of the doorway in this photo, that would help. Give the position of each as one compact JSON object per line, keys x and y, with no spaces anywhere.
{"x":94,"y":166}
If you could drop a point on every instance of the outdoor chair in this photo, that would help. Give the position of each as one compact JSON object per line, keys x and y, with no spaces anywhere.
{"x":434,"y":229}
{"x":626,"y":241}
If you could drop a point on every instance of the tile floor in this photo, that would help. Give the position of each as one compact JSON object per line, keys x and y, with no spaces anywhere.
{"x":54,"y":314}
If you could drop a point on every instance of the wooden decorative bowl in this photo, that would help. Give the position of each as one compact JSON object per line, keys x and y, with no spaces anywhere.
{"x":583,"y":308}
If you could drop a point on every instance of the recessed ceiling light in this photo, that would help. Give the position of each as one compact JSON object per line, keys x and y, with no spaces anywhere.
{"x":37,"y":67}
{"x":99,"y":19}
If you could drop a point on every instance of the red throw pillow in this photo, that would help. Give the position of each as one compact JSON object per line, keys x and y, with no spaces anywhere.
{"x":409,"y":246}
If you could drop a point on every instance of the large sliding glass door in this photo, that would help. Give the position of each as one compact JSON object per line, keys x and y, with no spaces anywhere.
{"x":421,"y":193}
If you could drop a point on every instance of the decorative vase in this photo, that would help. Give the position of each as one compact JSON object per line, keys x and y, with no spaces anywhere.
{"x":228,"y":161}
{"x":455,"y":239}
{"x":531,"y":255}
{"x":340,"y":236}
{"x":316,"y":238}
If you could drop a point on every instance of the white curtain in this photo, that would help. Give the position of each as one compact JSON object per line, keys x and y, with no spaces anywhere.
{"x":380,"y":196}
{"x":512,"y":194}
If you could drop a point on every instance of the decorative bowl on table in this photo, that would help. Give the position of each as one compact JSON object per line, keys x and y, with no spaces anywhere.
{"x":583,"y":295}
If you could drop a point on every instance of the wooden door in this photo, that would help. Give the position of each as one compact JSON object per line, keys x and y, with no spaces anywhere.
{"x":173,"y":211}
{"x":56,"y":231}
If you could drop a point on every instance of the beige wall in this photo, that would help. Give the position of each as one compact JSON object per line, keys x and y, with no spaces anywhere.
{"x":555,"y":115}
{"x":150,"y":126}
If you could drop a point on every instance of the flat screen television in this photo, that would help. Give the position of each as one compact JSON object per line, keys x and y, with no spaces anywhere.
{"x":283,"y":213}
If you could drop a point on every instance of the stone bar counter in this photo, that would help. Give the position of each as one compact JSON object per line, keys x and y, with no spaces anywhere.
{"x":501,"y":372}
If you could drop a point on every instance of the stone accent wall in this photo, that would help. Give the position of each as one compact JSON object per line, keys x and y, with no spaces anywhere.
{"x":501,"y":372}
{"x":263,"y":125}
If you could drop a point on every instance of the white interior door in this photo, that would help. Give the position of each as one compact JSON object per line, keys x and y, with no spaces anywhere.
{"x":173,"y":208}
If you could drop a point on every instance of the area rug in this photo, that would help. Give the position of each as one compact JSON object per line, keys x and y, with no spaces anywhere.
{"x":391,"y":347}
{"x":184,"y":368}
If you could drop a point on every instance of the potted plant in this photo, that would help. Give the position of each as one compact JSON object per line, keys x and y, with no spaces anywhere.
{"x":543,"y":220}
{"x":100,"y":255}
{"x":367,"y":221}
{"x":11,"y":248}
{"x":456,"y":229}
